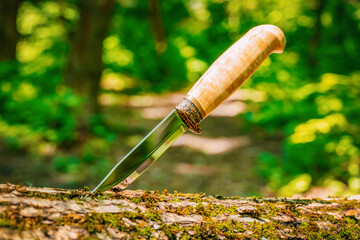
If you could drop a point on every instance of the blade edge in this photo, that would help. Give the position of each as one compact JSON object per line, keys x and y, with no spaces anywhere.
{"x":172,"y":121}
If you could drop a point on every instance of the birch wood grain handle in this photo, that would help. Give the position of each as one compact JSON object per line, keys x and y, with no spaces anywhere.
{"x":233,"y":68}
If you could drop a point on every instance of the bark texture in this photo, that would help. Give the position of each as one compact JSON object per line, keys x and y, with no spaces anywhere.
{"x":46,"y":213}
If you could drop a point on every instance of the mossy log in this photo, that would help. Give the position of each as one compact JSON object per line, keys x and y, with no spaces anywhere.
{"x":47,"y":213}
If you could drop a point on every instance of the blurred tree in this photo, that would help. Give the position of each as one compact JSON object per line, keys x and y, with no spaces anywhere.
{"x":157,"y":25}
{"x":8,"y":31}
{"x":84,"y":66}
{"x":314,"y":42}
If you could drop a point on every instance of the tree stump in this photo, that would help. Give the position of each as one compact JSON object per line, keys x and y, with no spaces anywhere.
{"x":47,"y":213}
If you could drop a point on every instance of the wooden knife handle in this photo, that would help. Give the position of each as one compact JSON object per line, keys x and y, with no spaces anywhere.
{"x":233,"y":68}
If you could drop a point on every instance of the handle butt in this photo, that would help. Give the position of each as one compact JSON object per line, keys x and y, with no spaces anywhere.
{"x":278,"y":38}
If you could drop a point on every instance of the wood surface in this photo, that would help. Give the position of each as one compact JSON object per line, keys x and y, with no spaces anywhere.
{"x":235,"y":66}
{"x":47,"y":213}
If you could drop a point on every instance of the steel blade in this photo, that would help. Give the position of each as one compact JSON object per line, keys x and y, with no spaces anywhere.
{"x":145,"y":153}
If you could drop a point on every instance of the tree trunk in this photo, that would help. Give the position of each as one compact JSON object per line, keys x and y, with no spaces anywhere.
{"x":85,"y":66}
{"x":314,"y":41}
{"x":45,"y":213}
{"x":157,"y":26}
{"x":8,"y":30}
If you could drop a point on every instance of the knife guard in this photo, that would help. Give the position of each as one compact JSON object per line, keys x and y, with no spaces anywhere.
{"x":229,"y":72}
{"x":190,"y":115}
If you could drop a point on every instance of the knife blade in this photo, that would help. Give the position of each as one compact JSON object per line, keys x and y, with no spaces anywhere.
{"x":145,"y":153}
{"x":223,"y":77}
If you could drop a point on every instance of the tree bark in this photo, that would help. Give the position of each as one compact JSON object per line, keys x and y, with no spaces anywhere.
{"x":85,"y":65}
{"x":46,"y":213}
{"x":8,"y":31}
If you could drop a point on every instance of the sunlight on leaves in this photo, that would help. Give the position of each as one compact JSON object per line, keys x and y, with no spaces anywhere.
{"x":29,"y":18}
{"x":305,"y":21}
{"x":20,"y":136}
{"x":335,"y":187}
{"x":112,"y":81}
{"x":196,"y":65}
{"x":187,"y":51}
{"x":29,"y":52}
{"x":51,"y":8}
{"x":199,"y":10}
{"x":116,"y":81}
{"x":71,"y":13}
{"x":233,"y":9}
{"x":328,"y":81}
{"x":300,"y":184}
{"x":326,"y":19}
{"x":290,"y":58}
{"x":354,"y":184}
{"x":354,"y":169}
{"x":283,"y":76}
{"x":305,"y":91}
{"x":249,"y":4}
{"x":346,"y":147}
{"x":115,"y":54}
{"x":25,"y":91}
{"x":327,"y":104}
{"x":306,"y":132}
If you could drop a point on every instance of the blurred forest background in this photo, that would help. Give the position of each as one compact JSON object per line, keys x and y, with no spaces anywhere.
{"x":82,"y":81}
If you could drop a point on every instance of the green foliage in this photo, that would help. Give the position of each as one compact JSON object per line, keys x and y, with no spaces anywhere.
{"x":25,"y":105}
{"x":309,"y":95}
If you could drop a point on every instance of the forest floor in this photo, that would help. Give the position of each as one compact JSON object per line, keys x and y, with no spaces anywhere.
{"x":220,"y":161}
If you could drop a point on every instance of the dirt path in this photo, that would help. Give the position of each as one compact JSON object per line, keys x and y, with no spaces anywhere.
{"x":220,"y":161}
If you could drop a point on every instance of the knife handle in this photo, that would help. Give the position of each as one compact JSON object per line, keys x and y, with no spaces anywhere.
{"x":229,"y":72}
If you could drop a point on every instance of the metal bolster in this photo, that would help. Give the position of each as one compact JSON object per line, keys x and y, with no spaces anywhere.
{"x":190,"y":115}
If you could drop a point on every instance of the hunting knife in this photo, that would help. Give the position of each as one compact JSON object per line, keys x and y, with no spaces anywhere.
{"x":223,"y":77}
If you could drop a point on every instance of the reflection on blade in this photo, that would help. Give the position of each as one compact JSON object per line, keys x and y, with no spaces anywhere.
{"x":145,"y":153}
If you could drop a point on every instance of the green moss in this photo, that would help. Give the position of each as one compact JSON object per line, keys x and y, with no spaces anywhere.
{"x":271,"y":209}
{"x":315,"y":224}
{"x":348,"y":205}
{"x":70,"y":195}
{"x":205,"y":230}
{"x":153,"y":215}
{"x":172,"y":230}
{"x":264,"y":230}
{"x":5,"y":222}
{"x":146,"y":231}
{"x":5,"y":190}
{"x":149,"y":198}
{"x":11,"y":218}
{"x":94,"y":222}
{"x":211,"y":210}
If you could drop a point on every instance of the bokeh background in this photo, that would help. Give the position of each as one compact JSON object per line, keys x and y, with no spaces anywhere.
{"x":83,"y":81}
